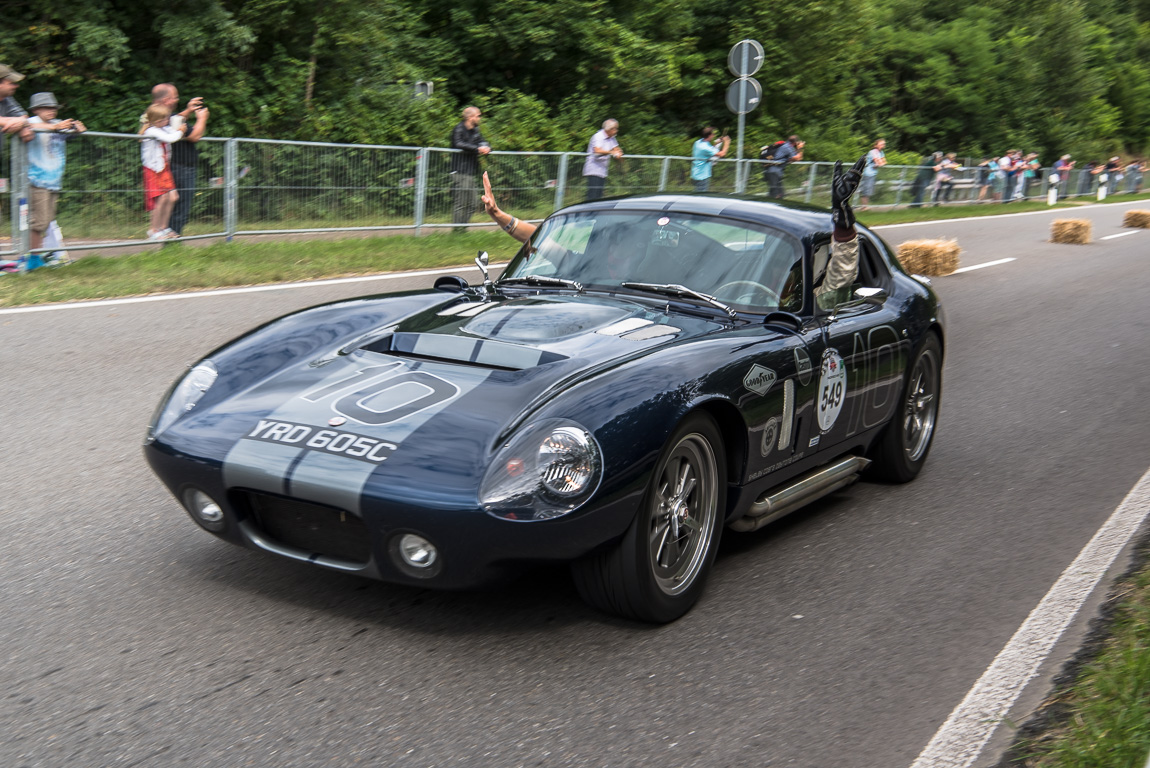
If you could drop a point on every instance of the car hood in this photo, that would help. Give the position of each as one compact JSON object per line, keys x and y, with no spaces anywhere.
{"x":521,"y":333}
{"x":417,"y":407}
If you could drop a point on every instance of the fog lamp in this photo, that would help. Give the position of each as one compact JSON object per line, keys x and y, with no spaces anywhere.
{"x":204,"y":509}
{"x":417,"y":551}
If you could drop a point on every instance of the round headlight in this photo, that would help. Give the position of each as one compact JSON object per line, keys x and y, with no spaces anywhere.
{"x":567,"y":460}
{"x":185,"y":395}
{"x":547,"y":470}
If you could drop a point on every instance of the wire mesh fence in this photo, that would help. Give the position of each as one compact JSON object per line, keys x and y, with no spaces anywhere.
{"x":258,"y":186}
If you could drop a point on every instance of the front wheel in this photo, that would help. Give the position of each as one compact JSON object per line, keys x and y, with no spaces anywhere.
{"x":657,"y":572}
{"x":901,"y":451}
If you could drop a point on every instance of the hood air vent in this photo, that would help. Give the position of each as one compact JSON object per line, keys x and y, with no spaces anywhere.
{"x":461,"y":349}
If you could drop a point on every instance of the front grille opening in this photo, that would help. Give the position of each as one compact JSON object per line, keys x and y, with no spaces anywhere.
{"x":313,"y":528}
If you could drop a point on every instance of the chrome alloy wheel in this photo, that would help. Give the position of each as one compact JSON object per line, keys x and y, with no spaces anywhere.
{"x":682,"y":520}
{"x":921,"y":406}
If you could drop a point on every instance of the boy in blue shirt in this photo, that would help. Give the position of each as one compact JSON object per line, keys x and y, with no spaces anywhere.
{"x":46,"y":162}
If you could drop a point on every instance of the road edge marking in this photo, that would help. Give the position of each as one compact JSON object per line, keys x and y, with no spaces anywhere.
{"x":231,"y":291}
{"x":961,"y":739}
{"x":984,"y":264}
{"x":1005,"y":215}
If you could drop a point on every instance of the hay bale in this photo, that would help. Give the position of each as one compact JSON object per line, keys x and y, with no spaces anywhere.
{"x":1140,"y":219}
{"x":929,"y":257}
{"x":1074,"y":231}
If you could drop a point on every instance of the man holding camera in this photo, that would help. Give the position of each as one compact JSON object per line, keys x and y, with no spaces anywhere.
{"x":782,"y":155}
{"x":185,"y":155}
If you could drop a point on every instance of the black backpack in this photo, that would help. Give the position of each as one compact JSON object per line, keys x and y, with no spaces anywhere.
{"x":770,"y":153}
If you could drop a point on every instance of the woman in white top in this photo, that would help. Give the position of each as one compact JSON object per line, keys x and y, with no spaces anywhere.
{"x":159,"y":189}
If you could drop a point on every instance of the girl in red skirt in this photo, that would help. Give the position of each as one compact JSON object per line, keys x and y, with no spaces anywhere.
{"x":159,"y":190}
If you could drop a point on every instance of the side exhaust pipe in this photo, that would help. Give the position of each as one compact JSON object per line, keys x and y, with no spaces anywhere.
{"x":779,"y":502}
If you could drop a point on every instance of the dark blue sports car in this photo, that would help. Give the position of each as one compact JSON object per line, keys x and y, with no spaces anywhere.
{"x":646,"y":372}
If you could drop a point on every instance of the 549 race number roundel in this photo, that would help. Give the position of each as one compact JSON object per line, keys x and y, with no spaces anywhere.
{"x":832,"y":389}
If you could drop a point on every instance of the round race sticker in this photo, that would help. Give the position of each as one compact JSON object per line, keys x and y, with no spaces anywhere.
{"x":832,"y":389}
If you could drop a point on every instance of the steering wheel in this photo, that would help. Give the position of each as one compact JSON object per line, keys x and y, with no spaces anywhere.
{"x":748,"y":295}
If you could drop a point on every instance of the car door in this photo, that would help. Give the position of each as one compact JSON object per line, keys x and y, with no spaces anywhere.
{"x":776,"y":396}
{"x":859,"y":354}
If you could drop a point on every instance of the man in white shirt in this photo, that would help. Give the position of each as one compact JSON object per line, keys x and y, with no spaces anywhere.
{"x":600,"y":150}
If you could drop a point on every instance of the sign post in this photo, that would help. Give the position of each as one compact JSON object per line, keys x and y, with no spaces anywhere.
{"x":743,"y":95}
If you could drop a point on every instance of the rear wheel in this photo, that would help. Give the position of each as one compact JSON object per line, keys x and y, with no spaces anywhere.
{"x":657,"y":572}
{"x":901,"y":451}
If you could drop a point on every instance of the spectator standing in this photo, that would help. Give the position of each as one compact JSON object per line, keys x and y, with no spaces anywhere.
{"x":786,"y":153}
{"x":923,"y":178}
{"x":1086,"y":177}
{"x":46,"y":162}
{"x":182,"y":162}
{"x":159,"y":189}
{"x":944,"y":178}
{"x":602,"y":147}
{"x":986,"y":170}
{"x":1008,"y":164}
{"x":1108,"y":173}
{"x":1060,"y":178}
{"x":465,"y":165}
{"x":875,"y":159}
{"x":705,"y":153}
{"x":1134,"y":176}
{"x":1030,"y":170}
{"x":13,"y":118}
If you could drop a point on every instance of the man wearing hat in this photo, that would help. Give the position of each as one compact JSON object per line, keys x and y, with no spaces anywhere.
{"x":12,"y":116}
{"x":46,"y":162}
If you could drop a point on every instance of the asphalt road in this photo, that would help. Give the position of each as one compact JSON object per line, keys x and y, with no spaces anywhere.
{"x":841,"y":636}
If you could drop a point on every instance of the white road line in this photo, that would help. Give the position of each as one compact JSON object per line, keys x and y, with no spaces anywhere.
{"x":231,"y":291}
{"x":1006,"y":215}
{"x":1120,"y":234}
{"x":962,"y":737}
{"x":984,"y":264}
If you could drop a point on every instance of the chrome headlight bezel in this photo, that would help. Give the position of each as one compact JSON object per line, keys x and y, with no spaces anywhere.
{"x":184,"y":396}
{"x":547,"y":470}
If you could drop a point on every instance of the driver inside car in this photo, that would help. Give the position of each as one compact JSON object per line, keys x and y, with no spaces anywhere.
{"x":843,"y":266}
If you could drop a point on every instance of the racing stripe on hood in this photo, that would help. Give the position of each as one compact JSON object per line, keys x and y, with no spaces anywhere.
{"x":323,"y":443}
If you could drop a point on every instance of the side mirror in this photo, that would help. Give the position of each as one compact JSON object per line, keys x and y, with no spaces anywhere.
{"x":874,"y":296}
{"x":451,"y":284}
{"x":481,"y":261}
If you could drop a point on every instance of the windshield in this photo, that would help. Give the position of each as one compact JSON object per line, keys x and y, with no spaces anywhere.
{"x":748,"y":266}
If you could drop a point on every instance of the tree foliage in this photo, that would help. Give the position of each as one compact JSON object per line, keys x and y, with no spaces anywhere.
{"x":973,"y":76}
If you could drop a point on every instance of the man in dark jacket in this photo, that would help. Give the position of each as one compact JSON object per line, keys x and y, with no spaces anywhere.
{"x":465,"y":165}
{"x":923,"y":178}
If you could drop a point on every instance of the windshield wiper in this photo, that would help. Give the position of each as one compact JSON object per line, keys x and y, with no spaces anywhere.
{"x":681,"y":291}
{"x":544,"y":280}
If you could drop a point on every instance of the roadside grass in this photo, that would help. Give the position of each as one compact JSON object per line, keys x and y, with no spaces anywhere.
{"x":183,"y":267}
{"x":178,"y":267}
{"x":1102,"y":716}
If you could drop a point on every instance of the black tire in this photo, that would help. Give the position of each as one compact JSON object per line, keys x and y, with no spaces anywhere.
{"x":659,"y":568}
{"x":900,"y":452}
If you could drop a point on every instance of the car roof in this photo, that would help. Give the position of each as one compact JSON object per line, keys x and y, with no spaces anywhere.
{"x":798,"y":219}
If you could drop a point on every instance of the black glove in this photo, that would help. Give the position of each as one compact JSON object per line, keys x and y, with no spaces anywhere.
{"x":843,"y":185}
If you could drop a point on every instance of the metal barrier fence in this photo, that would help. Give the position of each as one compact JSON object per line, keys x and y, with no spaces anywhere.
{"x":258,"y":186}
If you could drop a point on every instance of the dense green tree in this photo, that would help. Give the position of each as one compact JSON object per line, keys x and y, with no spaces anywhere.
{"x":970,"y":76}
